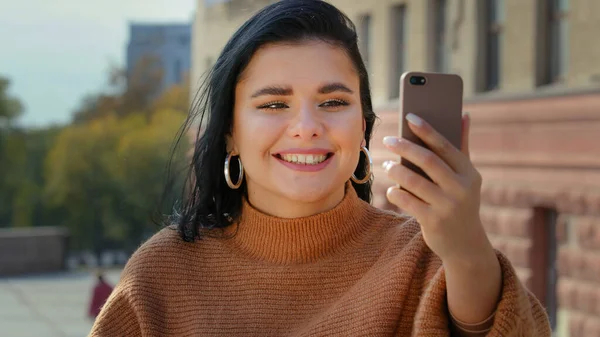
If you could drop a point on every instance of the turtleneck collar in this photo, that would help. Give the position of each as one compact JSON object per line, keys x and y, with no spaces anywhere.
{"x":300,"y":240}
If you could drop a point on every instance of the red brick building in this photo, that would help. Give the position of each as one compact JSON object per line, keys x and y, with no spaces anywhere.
{"x":540,"y":160}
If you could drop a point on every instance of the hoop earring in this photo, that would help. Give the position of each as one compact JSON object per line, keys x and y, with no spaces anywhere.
{"x":227,"y":173}
{"x":367,"y":177}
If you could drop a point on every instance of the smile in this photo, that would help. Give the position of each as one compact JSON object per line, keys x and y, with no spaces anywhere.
{"x":308,"y":162}
{"x":305,"y":159}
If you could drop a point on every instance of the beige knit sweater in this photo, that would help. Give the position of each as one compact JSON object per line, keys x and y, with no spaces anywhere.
{"x":352,"y":271}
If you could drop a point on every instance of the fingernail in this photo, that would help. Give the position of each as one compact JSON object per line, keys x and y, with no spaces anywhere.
{"x":390,"y":140}
{"x":387,"y":165}
{"x":414,"y":119}
{"x":392,"y":189}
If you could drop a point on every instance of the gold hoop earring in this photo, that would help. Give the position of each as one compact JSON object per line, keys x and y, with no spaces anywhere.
{"x":367,"y":177}
{"x":227,"y":173}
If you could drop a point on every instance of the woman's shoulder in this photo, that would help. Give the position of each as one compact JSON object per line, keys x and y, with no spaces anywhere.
{"x":393,"y":221}
{"x":395,"y":229}
{"x":165,"y":247}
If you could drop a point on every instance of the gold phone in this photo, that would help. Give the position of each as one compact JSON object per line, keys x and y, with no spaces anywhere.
{"x":438,"y":99}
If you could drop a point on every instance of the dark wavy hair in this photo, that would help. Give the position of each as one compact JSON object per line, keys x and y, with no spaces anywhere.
{"x":208,"y":203}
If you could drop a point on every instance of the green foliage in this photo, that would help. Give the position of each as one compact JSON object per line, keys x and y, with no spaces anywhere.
{"x":10,"y":107}
{"x":103,"y":176}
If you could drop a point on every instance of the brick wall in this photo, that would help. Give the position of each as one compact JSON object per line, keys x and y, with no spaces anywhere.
{"x":540,"y":160}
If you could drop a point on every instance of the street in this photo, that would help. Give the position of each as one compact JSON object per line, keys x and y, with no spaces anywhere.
{"x":52,"y":305}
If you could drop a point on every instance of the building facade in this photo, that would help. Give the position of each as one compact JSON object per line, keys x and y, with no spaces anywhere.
{"x":531,"y":72}
{"x":167,"y":45}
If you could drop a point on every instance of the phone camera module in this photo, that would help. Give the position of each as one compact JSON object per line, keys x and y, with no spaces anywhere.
{"x":417,"y":80}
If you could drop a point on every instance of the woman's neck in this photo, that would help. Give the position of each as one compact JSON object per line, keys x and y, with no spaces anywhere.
{"x":280,"y":240}
{"x":274,"y":204}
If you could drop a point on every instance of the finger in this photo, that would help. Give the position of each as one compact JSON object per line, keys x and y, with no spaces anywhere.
{"x":408,"y":203}
{"x":428,"y":161}
{"x":466,"y":132}
{"x":438,"y":143}
{"x":414,"y":183}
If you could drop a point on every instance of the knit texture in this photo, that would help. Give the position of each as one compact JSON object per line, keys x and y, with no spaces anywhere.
{"x":352,"y":271}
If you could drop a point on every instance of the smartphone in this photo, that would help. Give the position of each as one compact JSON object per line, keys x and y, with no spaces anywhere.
{"x":438,"y":99}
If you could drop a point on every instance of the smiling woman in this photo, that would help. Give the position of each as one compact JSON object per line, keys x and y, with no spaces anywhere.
{"x":288,"y":244}
{"x":298,"y":130}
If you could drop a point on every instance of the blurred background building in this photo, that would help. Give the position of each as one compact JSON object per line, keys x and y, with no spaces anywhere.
{"x":531,"y":72}
{"x":166,"y":46}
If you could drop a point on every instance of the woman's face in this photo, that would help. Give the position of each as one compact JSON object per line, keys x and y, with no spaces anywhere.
{"x":298,"y":127}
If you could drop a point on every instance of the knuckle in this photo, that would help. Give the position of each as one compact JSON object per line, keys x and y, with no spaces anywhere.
{"x":435,"y":223}
{"x":462,"y":194}
{"x":445,"y":146}
{"x":413,"y":180}
{"x":393,"y":171}
{"x":473,"y":182}
{"x":452,"y":206}
{"x":430,"y":159}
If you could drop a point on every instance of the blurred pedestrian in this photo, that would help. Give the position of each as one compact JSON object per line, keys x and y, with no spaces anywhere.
{"x":102,"y":291}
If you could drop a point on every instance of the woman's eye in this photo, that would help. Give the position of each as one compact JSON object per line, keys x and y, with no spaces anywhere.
{"x":273,"y":106}
{"x":334,"y":103}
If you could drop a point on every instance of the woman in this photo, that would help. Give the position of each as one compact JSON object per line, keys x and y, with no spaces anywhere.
{"x":277,"y":236}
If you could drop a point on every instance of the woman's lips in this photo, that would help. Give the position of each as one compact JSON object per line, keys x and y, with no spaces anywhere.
{"x":305,"y":161}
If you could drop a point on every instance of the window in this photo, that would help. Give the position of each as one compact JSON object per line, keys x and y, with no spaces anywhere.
{"x":557,"y":40}
{"x":398,"y":51}
{"x":364,"y":36}
{"x":441,"y":50}
{"x":543,"y":259}
{"x":493,"y":43}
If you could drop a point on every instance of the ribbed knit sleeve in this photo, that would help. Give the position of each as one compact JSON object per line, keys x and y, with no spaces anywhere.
{"x":518,"y":314}
{"x":118,"y":316}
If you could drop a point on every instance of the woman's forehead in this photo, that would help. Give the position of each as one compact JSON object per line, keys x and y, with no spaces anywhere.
{"x":311,"y":62}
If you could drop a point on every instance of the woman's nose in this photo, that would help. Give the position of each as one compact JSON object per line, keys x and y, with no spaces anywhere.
{"x":306,"y":124}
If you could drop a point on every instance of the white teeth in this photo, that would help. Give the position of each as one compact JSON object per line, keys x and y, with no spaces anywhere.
{"x":306,"y":159}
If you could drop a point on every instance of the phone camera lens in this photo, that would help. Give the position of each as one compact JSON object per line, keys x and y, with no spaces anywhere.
{"x":417,"y":80}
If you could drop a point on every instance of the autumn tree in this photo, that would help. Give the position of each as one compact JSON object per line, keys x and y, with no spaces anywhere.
{"x":106,"y":175}
{"x":127,"y":93}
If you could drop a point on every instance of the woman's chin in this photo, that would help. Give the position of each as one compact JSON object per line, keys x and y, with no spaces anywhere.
{"x":311,"y":191}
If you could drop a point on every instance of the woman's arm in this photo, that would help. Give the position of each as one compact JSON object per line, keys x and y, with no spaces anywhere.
{"x":447,"y":208}
{"x":516,"y":312}
{"x":473,"y":287}
{"x":473,"y":291}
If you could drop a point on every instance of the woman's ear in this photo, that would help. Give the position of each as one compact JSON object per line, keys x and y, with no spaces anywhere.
{"x":230,"y":144}
{"x":364,"y":125}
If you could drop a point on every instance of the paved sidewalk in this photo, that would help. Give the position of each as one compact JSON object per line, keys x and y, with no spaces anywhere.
{"x":47,"y":306}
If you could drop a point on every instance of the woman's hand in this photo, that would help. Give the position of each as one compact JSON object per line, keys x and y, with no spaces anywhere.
{"x":447,"y":208}
{"x":448,"y":211}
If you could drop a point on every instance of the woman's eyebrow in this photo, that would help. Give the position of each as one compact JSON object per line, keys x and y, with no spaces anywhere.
{"x":273,"y":90}
{"x":333,"y":87}
{"x":277,"y":90}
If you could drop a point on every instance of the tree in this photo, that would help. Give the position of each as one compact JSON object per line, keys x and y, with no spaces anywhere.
{"x":106,"y":176}
{"x":12,"y":151}
{"x":79,"y":182}
{"x":131,"y":93}
{"x":10,"y":107}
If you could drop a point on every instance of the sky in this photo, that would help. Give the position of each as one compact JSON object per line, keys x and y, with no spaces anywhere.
{"x":55,"y":52}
